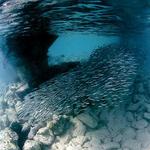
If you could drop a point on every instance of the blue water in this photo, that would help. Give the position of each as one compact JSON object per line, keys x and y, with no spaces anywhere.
{"x":81,"y":26}
{"x":73,"y":48}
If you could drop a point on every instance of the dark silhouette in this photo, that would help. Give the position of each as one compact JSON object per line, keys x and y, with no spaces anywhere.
{"x":29,"y":47}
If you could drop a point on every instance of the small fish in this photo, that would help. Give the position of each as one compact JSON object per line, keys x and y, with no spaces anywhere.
{"x":103,"y":81}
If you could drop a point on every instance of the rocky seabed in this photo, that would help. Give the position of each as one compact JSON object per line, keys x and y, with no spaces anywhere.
{"x":125,"y":127}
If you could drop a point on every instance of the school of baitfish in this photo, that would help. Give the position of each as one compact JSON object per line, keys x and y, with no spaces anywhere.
{"x":105,"y":80}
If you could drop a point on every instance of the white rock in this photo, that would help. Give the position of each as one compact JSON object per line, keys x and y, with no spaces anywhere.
{"x":31,"y":145}
{"x":4,"y":122}
{"x":71,"y":146}
{"x":107,"y":140}
{"x":64,"y":139}
{"x":143,"y":137}
{"x":87,"y":145}
{"x":22,"y":87}
{"x":79,"y":140}
{"x":8,"y":146}
{"x":131,"y":144}
{"x":148,"y":128}
{"x":74,"y":147}
{"x":147,"y":147}
{"x":33,"y":130}
{"x":128,"y":133}
{"x":94,"y":112}
{"x":92,"y":146}
{"x":60,"y":125}
{"x":88,"y":120}
{"x":140,"y":124}
{"x":44,"y":136}
{"x":8,"y":134}
{"x":99,"y":135}
{"x":12,"y":115}
{"x":116,"y":123}
{"x":58,"y":146}
{"x":111,"y":145}
{"x":25,"y":126}
{"x":79,"y":128}
{"x":11,"y":103}
{"x":8,"y":140}
{"x":118,"y":138}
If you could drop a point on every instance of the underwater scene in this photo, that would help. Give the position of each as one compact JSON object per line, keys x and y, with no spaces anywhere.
{"x":74,"y":74}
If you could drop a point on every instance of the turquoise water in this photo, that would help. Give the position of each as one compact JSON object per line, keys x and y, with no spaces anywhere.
{"x":87,"y":54}
{"x":78,"y":23}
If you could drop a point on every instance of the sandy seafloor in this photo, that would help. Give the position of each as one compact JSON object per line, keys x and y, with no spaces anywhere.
{"x":125,"y":127}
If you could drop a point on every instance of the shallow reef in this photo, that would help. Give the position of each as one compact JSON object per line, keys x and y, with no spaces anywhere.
{"x":101,"y":104}
{"x":124,"y":127}
{"x":104,"y":80}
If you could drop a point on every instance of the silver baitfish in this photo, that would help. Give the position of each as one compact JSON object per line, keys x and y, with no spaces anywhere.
{"x":105,"y":80}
